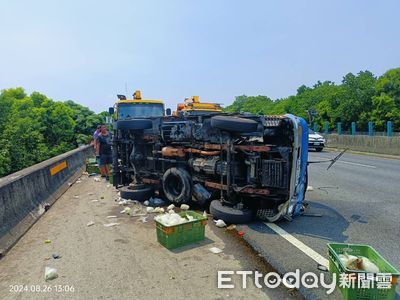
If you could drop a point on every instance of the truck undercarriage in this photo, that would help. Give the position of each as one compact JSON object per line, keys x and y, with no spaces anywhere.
{"x":245,"y":163}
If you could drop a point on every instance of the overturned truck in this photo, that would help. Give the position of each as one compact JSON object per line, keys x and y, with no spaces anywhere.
{"x":242,"y":165}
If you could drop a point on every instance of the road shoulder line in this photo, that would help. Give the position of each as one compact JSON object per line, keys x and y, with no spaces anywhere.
{"x":298,"y":244}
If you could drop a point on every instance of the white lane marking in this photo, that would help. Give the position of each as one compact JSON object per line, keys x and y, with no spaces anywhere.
{"x":349,"y":163}
{"x":357,"y":164}
{"x":300,"y":245}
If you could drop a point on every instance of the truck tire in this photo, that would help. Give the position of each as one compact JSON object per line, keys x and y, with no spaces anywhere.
{"x":177,"y":185}
{"x":135,"y":124}
{"x":234,"y":124}
{"x":229,"y":214}
{"x":139,"y":192}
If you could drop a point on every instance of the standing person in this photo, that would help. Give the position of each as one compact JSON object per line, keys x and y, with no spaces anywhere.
{"x":103,"y":149}
{"x":95,"y":135}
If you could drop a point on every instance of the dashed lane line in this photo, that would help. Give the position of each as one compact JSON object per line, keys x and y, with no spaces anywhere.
{"x":349,"y":163}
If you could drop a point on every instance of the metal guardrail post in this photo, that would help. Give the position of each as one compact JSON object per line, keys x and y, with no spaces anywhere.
{"x":353,"y":128}
{"x":389,"y":129}
{"x":370,"y":128}
{"x":339,"y":128}
{"x":326,"y":127}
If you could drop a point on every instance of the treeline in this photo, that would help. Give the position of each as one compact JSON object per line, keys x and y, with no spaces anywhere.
{"x":34,"y":128}
{"x":360,"y":98}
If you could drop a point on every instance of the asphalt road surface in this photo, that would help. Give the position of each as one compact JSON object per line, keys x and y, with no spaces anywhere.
{"x":356,"y":201}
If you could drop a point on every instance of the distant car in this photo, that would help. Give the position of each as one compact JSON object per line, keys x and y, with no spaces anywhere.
{"x":315,"y":140}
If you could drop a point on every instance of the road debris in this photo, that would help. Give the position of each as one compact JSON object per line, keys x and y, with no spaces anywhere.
{"x":97,"y":179}
{"x":111,"y":217}
{"x":111,"y":224}
{"x":310,"y":188}
{"x":50,"y":273}
{"x":95,"y":200}
{"x":123,"y":202}
{"x":143,"y":219}
{"x":78,"y":181}
{"x":215,"y":250}
{"x":139,"y":215}
{"x":184,"y":206}
{"x":90,"y":194}
{"x":231,"y":227}
{"x":91,"y":223}
{"x":159,"y":210}
{"x":56,"y":256}
{"x":147,"y":203}
{"x":170,"y":207}
{"x":76,"y":197}
{"x":150,"y":209}
{"x":126,"y":210}
{"x":241,"y":233}
{"x":220,"y":223}
{"x":47,"y":241}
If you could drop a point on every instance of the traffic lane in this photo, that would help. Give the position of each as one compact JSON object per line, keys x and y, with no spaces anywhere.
{"x":376,"y":185}
{"x":353,"y":184}
{"x":366,"y":201}
{"x":370,"y":161}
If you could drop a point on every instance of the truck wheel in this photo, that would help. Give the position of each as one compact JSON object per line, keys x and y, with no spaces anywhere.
{"x":229,"y":214}
{"x":177,"y":185}
{"x":234,"y":124}
{"x":135,"y":124}
{"x":139,"y":192}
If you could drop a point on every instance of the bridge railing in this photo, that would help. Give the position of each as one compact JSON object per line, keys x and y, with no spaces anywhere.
{"x":339,"y":129}
{"x":25,"y":195}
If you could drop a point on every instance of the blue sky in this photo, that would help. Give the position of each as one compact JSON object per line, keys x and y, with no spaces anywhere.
{"x":87,"y":50}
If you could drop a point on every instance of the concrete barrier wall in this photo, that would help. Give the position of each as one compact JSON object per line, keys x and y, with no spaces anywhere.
{"x":25,"y":194}
{"x":374,"y":144}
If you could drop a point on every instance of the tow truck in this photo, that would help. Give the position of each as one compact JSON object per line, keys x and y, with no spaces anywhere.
{"x":192,"y":106}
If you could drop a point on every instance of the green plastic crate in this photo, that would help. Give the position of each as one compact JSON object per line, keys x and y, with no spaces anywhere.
{"x":175,"y":236}
{"x":92,"y":168}
{"x":356,"y":293}
{"x":91,"y":160}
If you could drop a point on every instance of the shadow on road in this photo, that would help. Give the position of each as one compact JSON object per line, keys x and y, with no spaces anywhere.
{"x":328,"y":225}
{"x":319,"y":221}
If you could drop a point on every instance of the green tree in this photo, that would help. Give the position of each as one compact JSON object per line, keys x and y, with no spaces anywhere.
{"x":34,"y":128}
{"x":389,"y":83}
{"x":384,"y":109}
